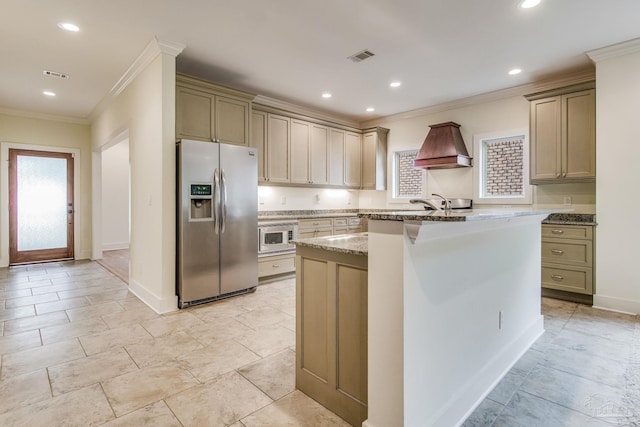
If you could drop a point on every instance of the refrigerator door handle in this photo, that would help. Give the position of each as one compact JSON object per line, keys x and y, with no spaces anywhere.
{"x":223,"y":205}
{"x":216,"y":201}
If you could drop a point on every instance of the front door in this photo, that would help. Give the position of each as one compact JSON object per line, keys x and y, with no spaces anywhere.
{"x":40,"y":206}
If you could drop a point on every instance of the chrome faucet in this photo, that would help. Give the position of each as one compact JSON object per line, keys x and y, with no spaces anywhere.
{"x":447,"y":203}
{"x":426,"y":203}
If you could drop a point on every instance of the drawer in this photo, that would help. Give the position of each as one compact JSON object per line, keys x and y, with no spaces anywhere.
{"x":358,"y":229}
{"x":341,"y":230}
{"x":571,"y":279}
{"x":306,"y":224}
{"x":567,"y":231}
{"x":568,"y":251}
{"x":269,"y":266}
{"x":354,"y":221}
{"x":340,"y":222}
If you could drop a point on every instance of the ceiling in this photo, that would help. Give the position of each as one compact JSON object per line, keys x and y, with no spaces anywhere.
{"x":294,"y":50}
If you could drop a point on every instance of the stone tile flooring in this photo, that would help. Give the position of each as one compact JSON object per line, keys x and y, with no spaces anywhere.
{"x":79,"y":350}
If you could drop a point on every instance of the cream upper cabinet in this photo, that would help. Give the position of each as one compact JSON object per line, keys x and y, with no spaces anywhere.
{"x":259,"y":141}
{"x":374,"y":159}
{"x":318,"y":155}
{"x":336,"y":156}
{"x":209,"y":112}
{"x":300,"y":141}
{"x":562,"y":127}
{"x":278,"y":144}
{"x":352,"y":159}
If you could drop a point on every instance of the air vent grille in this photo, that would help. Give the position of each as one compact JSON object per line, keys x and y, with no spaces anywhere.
{"x":361,"y":56}
{"x":49,"y":73}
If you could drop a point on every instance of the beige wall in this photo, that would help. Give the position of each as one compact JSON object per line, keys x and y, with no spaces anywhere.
{"x":618,"y":151}
{"x":34,"y":131}
{"x":146,"y":108}
{"x":115,"y":196}
{"x":478,"y":118}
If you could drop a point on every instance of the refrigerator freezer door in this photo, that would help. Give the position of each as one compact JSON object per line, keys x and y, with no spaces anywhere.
{"x":239,"y":240}
{"x":198,"y":243}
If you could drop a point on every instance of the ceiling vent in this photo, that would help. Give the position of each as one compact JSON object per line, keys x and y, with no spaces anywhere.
{"x":48,"y":73}
{"x":361,"y":56}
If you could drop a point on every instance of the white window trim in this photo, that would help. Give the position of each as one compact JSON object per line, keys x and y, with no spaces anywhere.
{"x":393,"y":198}
{"x":478,"y":159}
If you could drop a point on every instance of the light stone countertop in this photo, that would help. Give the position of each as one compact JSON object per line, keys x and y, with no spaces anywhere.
{"x":355,"y":244}
{"x":461,"y":215}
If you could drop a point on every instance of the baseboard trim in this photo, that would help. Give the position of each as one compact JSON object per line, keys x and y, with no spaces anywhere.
{"x":159,"y":305}
{"x":115,"y":246}
{"x":626,"y":305}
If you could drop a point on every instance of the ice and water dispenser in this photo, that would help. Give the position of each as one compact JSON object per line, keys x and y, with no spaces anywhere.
{"x":201,"y":202}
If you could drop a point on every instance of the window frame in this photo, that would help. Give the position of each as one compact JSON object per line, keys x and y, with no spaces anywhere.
{"x":395,"y":178}
{"x":479,"y":142}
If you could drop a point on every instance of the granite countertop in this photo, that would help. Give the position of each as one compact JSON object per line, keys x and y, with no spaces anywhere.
{"x":355,"y":244}
{"x":571,"y":219}
{"x":462,"y":215}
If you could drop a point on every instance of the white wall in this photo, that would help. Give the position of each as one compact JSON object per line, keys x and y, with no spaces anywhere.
{"x":52,"y":132}
{"x":476,"y":118}
{"x":270,"y":198}
{"x":115,"y":196}
{"x":617,"y":153}
{"x":146,"y":107}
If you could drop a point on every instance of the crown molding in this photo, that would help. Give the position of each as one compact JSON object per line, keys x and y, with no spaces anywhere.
{"x":42,"y":116}
{"x":305,"y":111}
{"x":577,"y":77}
{"x":154,"y":48}
{"x":615,"y":50}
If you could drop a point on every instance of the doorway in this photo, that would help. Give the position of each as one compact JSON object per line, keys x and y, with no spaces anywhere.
{"x":41,"y":206}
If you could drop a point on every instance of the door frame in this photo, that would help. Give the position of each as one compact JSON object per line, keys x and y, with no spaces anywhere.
{"x":4,"y":194}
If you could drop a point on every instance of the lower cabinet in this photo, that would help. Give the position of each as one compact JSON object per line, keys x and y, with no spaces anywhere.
{"x":331,"y":325}
{"x":567,"y":261}
{"x":276,"y":265}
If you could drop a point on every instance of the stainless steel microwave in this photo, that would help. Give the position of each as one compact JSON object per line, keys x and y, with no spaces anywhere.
{"x":277,"y":237}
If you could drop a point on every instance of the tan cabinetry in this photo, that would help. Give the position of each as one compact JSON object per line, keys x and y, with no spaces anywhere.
{"x":336,"y":156}
{"x":374,"y":159}
{"x":347,"y":225}
{"x":562,"y":129}
{"x":259,"y":141}
{"x":331,"y":325}
{"x":277,"y":148}
{"x":276,"y":265}
{"x":318,"y":227}
{"x":209,"y":112}
{"x":319,"y":155}
{"x":352,"y":160}
{"x":567,"y":258}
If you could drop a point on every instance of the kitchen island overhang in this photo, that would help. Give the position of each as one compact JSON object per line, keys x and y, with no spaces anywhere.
{"x":454,"y":301}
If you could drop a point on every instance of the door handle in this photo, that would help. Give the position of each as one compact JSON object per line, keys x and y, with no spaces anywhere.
{"x":557,"y":251}
{"x":216,"y":197}
{"x":223,"y":185}
{"x":556,"y":277}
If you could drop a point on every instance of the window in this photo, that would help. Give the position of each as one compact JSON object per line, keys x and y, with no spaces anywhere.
{"x":502,"y":168}
{"x":408,"y":182}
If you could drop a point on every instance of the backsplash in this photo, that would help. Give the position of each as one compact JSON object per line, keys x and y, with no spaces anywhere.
{"x":272,"y":198}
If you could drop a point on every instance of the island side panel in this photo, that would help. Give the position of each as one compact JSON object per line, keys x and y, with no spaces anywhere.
{"x":455,"y":349}
{"x":386,"y":336}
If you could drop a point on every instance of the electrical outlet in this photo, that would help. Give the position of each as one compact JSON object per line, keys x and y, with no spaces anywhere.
{"x":317,"y":198}
{"x":283,"y":200}
{"x":349,"y":200}
{"x":567,"y":200}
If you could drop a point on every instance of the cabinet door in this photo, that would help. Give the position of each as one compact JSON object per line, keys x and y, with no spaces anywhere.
{"x":578,"y":128}
{"x":546,"y":138}
{"x":231,"y":124}
{"x":259,"y":140}
{"x":278,"y":148}
{"x":336,"y":156}
{"x":318,"y":156}
{"x":352,"y":159}
{"x":369,"y":142}
{"x":300,"y":139}
{"x":194,"y":112}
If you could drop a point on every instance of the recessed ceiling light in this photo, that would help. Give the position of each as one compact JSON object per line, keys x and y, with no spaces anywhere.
{"x":48,"y":93}
{"x":395,"y":84}
{"x":326,"y":95}
{"x":515,"y":71}
{"x":527,"y":4}
{"x":370,"y":109}
{"x":68,"y":26}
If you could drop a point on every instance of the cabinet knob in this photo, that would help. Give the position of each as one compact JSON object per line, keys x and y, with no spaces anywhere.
{"x":564,"y":175}
{"x":557,"y":251}
{"x":556,"y":277}
{"x":276,"y":266}
{"x":556,"y":231}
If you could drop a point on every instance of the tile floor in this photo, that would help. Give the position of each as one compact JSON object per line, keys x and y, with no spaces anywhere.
{"x":79,"y":350}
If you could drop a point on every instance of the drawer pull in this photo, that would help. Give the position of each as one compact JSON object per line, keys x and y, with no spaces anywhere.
{"x":276,"y":266}
{"x":316,"y":223}
{"x":557,"y":231}
{"x":556,"y":277}
{"x":557,"y":251}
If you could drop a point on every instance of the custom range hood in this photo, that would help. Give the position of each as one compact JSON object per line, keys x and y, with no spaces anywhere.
{"x":443,"y":148}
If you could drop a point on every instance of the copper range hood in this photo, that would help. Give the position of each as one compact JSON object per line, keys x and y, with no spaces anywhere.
{"x":443,"y":148}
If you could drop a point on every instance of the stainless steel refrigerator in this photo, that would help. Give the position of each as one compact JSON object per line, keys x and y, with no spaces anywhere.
{"x":217,"y":221}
